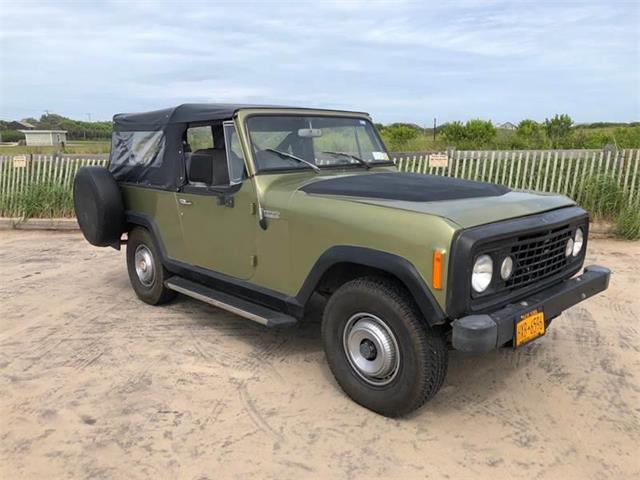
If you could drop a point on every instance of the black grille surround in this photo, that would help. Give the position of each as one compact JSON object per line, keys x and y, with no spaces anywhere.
{"x":536,"y":243}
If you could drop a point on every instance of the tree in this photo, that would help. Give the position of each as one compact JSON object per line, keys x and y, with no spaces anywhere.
{"x":558,"y":128}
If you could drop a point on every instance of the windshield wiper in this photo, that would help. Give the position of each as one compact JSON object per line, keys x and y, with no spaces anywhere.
{"x":345,"y":154}
{"x":293,"y":157}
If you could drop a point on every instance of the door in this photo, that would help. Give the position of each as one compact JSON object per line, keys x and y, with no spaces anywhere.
{"x":217,"y":207}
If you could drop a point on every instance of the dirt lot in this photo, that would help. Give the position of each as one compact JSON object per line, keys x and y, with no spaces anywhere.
{"x":96,"y":384}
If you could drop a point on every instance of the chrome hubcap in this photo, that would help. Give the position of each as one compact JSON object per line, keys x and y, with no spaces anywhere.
{"x":371,"y":348}
{"x":144,"y":265}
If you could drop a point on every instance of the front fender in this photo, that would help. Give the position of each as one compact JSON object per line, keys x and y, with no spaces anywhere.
{"x":395,"y":265}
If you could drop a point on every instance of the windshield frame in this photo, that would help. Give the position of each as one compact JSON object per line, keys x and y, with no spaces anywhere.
{"x":315,"y":113}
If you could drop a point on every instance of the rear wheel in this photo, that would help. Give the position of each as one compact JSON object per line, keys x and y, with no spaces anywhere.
{"x":378,"y":348}
{"x":146,"y":273}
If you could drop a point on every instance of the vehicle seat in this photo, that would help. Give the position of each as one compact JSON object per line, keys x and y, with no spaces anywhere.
{"x":200,"y":168}
{"x":215,"y":172}
{"x":220,"y":168}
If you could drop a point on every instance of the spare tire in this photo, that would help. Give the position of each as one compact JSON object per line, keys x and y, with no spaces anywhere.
{"x":98,"y":204}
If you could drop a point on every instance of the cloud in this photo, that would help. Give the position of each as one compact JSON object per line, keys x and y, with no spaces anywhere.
{"x":400,"y":60}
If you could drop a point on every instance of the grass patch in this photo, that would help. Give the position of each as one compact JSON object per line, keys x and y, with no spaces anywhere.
{"x":75,"y":147}
{"x":42,"y":200}
{"x":628,"y":225}
{"x":605,"y":199}
{"x":602,"y":196}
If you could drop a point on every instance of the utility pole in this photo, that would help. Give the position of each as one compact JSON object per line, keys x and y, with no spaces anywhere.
{"x":434,"y":130}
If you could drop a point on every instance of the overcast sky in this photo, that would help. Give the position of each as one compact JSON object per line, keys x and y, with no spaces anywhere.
{"x":399,"y":60}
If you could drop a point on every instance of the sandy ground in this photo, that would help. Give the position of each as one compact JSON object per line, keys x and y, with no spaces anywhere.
{"x":96,"y":384}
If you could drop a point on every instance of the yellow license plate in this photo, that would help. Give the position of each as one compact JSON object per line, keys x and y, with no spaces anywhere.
{"x":530,"y":327}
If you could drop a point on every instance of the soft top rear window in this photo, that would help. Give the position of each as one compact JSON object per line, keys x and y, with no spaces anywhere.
{"x":137,"y":157}
{"x":137,"y":148}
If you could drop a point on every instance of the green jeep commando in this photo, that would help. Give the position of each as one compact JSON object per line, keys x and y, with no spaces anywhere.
{"x":254,"y":209}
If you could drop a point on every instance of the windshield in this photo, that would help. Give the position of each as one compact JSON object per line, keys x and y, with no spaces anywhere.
{"x":295,"y":141}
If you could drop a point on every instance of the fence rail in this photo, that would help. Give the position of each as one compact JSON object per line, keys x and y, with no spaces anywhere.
{"x":559,"y":171}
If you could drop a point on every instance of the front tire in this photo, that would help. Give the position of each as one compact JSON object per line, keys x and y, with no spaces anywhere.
{"x":380,"y":351}
{"x":146,"y":272}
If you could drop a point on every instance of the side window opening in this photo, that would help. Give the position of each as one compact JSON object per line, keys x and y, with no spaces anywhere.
{"x":199,"y":138}
{"x":213,"y":155}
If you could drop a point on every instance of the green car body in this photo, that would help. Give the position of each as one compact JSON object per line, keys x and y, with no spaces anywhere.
{"x":282,"y":257}
{"x":256,"y":209}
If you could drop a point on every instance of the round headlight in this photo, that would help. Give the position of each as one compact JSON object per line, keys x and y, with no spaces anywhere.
{"x":568,"y":249}
{"x":578,"y":242}
{"x":482,"y":273}
{"x":506,"y":269}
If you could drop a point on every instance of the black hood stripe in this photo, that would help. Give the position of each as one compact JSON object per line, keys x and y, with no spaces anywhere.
{"x":411,"y":187}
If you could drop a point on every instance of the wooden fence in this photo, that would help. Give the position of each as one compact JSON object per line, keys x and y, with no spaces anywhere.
{"x":20,"y":173}
{"x":560,"y":171}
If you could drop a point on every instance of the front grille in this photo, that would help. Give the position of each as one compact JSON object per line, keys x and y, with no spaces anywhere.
{"x":537,"y":244}
{"x":538,"y":256}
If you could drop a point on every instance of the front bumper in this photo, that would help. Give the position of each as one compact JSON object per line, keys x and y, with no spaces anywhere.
{"x":482,"y":333}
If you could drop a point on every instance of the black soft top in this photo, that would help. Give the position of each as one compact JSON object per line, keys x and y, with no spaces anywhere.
{"x":186,"y":113}
{"x":147,"y":148}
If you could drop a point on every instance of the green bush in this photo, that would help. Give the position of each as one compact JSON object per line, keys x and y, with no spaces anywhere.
{"x":628,"y":225}
{"x":11,"y":135}
{"x":558,"y":129}
{"x":480,"y":132}
{"x":473,"y":134}
{"x":531,"y":135}
{"x":398,"y":135}
{"x":454,"y":132}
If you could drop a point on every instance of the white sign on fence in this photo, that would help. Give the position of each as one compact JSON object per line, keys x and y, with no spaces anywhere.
{"x":438,"y":160}
{"x":20,"y":161}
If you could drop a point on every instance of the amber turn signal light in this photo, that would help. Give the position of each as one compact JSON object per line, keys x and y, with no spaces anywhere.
{"x":436,"y":279}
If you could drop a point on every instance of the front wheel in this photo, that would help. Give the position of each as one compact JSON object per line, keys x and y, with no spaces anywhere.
{"x":378,"y":348}
{"x":146,"y":272}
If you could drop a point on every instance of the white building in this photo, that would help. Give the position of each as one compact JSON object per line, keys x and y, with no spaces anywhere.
{"x":44,"y":138}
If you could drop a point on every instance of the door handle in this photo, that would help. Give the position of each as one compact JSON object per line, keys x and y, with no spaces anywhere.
{"x":184,"y":201}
